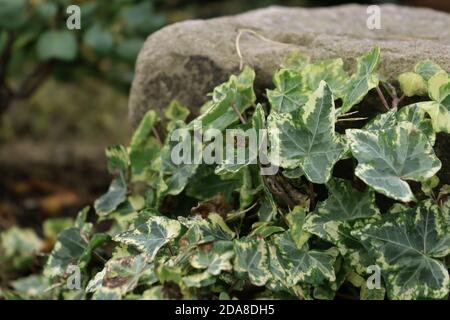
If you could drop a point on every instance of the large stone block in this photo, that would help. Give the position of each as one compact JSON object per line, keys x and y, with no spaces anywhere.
{"x":186,"y":60}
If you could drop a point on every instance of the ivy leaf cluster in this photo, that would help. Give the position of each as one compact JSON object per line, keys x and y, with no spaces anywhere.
{"x":224,"y":230}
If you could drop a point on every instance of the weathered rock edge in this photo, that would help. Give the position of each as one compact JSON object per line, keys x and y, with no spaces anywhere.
{"x":186,"y":60}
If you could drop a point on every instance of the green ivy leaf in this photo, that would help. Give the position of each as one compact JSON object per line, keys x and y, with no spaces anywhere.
{"x":151,"y":236}
{"x":408,"y":247}
{"x":306,"y":138}
{"x":386,"y":158}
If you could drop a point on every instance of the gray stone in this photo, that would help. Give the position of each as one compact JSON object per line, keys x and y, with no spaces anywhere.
{"x":187,"y":60}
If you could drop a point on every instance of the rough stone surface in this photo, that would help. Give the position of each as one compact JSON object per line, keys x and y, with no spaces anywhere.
{"x":187,"y":60}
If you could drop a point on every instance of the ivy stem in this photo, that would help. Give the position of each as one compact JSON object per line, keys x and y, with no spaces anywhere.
{"x":239,"y":114}
{"x":350,"y":119}
{"x":396,"y":101}
{"x":158,"y":138}
{"x":347,"y":114}
{"x":312,"y":198}
{"x":172,"y":253}
{"x":383,"y":99}
{"x":256,"y":34}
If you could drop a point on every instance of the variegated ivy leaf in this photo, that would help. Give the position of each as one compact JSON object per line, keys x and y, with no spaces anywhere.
{"x":334,"y":219}
{"x":265,"y":229}
{"x":295,"y":61}
{"x":331,"y":71}
{"x":289,"y":94}
{"x":440,"y":115}
{"x":205,"y":176}
{"x":122,"y":274}
{"x":327,"y":290}
{"x":439,"y":108}
{"x":70,"y":246}
{"x":431,"y":78}
{"x":178,"y":163}
{"x":386,"y":158}
{"x":311,"y":266}
{"x":296,"y":220}
{"x":382,"y":121}
{"x":268,"y":208}
{"x":426,"y":69}
{"x":294,"y":85}
{"x":237,"y":92}
{"x":117,"y":194}
{"x":154,"y":293}
{"x":248,"y":189}
{"x":408,"y":247}
{"x":412,"y":113}
{"x":117,"y":160}
{"x":278,"y":280}
{"x":151,"y":236}
{"x":372,"y":294}
{"x":199,"y":280}
{"x":412,"y":84}
{"x":206,"y":230}
{"x":144,"y":147}
{"x":73,"y":248}
{"x":18,"y":248}
{"x":105,"y":293}
{"x":32,"y":287}
{"x":250,"y":151}
{"x":214,"y":260}
{"x":360,"y":83}
{"x":306,"y":138}
{"x":251,"y":259}
{"x":175,"y":111}
{"x":17,"y":242}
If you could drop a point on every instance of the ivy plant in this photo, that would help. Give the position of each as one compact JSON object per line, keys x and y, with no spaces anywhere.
{"x":351,"y":195}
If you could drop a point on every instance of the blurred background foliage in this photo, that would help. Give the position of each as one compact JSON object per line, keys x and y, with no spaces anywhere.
{"x":63,"y":94}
